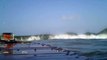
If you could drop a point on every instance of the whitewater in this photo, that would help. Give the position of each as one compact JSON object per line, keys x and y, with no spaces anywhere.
{"x":68,"y":36}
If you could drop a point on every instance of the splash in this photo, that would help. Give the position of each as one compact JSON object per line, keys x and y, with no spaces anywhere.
{"x":79,"y":36}
{"x":68,"y":36}
{"x":33,"y":38}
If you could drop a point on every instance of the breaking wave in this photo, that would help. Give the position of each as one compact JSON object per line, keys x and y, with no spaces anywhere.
{"x":68,"y":36}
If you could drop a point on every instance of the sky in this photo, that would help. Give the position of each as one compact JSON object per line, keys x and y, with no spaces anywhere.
{"x":27,"y":17}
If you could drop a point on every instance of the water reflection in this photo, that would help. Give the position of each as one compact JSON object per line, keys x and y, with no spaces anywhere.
{"x":6,"y":50}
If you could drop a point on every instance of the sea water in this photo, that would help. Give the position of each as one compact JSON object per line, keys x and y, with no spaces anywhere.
{"x":93,"y":48}
{"x":96,"y":49}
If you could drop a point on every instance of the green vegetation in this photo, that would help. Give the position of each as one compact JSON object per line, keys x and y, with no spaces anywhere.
{"x":89,"y":33}
{"x":104,"y":31}
{"x":44,"y":36}
{"x":21,"y":37}
{"x":71,"y":33}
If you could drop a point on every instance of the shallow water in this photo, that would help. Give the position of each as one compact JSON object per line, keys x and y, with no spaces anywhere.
{"x":94,"y":48}
{"x":27,"y":52}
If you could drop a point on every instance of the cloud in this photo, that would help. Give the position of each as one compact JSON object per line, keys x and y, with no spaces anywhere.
{"x":70,"y":17}
{"x":67,"y":17}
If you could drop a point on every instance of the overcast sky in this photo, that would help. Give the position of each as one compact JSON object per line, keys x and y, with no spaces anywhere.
{"x":26,"y":17}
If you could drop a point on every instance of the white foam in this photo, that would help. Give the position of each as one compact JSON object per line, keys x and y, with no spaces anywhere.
{"x":79,"y":36}
{"x":68,"y":36}
{"x":33,"y":38}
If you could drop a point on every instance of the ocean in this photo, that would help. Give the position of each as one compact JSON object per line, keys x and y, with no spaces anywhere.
{"x":93,"y":48}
